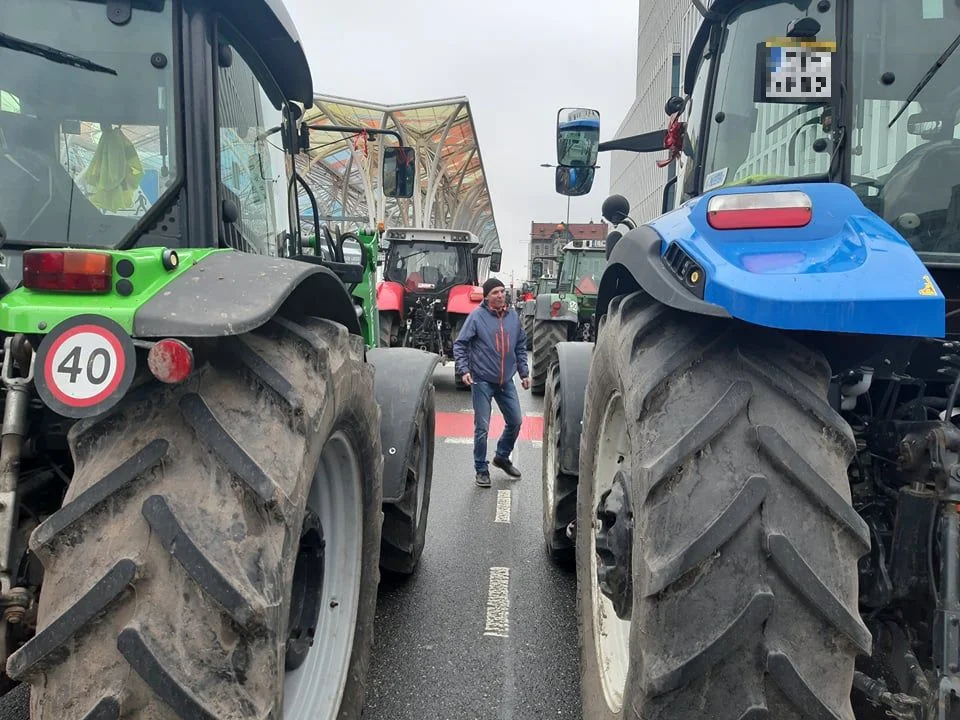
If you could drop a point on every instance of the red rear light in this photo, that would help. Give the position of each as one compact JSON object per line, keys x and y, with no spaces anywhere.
{"x":476,"y":295}
{"x":746,"y":211}
{"x":555,"y":308}
{"x":67,"y":270}
{"x":170,"y":361}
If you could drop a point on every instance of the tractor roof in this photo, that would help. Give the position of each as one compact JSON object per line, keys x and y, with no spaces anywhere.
{"x":268,"y":27}
{"x":582,"y":248}
{"x":437,"y":235}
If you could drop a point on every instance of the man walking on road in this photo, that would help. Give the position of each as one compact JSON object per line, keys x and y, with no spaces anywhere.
{"x":490,"y":348}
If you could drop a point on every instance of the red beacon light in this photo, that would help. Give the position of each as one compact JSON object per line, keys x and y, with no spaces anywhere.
{"x":759,"y":211}
{"x":170,"y":361}
{"x":78,"y":271}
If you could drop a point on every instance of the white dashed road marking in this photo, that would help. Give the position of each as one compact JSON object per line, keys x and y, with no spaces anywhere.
{"x":458,"y":441}
{"x":498,"y":603}
{"x":503,"y":507}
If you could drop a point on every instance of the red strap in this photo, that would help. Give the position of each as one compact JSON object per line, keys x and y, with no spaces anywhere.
{"x":673,"y":140}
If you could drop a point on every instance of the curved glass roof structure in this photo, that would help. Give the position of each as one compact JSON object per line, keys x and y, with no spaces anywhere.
{"x":343,"y":169}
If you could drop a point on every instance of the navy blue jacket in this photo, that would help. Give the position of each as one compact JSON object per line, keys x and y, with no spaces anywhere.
{"x":491,"y":346}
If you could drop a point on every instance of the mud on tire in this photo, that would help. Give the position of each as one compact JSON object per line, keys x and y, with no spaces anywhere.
{"x":546,"y":335}
{"x":405,"y":522}
{"x":168,"y":569}
{"x":745,"y":544}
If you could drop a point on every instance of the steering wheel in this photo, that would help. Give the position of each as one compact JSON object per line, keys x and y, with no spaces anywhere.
{"x":916,"y":182}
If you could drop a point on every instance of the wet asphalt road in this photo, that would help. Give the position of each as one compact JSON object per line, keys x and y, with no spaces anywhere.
{"x":431,"y":656}
{"x":432,"y":659}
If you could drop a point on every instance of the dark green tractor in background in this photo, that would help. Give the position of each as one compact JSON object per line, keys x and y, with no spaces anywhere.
{"x":202,"y":472}
{"x":527,"y":309}
{"x":565,"y":312}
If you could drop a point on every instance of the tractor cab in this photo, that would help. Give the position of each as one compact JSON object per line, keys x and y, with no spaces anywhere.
{"x":427,"y":264}
{"x":430,"y":284}
{"x":581,"y":268}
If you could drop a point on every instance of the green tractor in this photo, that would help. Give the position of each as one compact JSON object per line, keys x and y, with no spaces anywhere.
{"x":565,"y":313}
{"x":360,"y":248}
{"x":202,"y":471}
{"x":527,"y":308}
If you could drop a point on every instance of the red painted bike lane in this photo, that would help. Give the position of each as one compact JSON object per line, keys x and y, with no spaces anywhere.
{"x":460,"y":425}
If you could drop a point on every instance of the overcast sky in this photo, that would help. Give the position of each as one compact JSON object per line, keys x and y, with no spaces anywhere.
{"x":517,"y":61}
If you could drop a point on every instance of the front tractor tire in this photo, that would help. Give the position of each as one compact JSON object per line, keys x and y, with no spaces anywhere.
{"x":546,"y":335}
{"x":716,"y":547}
{"x":405,"y":522}
{"x":210,"y":531}
{"x":559,"y":489}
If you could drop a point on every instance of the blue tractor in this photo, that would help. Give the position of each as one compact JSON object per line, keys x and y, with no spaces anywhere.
{"x":756,"y":466}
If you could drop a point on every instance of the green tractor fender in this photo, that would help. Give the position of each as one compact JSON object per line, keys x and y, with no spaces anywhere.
{"x":567,"y":311}
{"x":230,"y":293}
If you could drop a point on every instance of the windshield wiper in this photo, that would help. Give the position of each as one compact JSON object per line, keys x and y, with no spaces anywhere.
{"x":934,"y":69}
{"x":59,"y":56}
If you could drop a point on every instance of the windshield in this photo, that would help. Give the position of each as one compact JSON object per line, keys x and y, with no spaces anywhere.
{"x":84,"y":154}
{"x":908,"y":173}
{"x":582,"y":271}
{"x":427,"y":266}
{"x":773,"y":94}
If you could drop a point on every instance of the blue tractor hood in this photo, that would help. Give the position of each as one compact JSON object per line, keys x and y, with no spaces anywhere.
{"x":846,"y":271}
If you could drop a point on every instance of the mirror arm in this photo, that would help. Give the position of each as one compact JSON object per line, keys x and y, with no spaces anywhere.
{"x":646,"y":142}
{"x":348,"y":129}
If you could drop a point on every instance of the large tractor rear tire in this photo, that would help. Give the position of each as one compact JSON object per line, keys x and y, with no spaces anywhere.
{"x":405,"y":522}
{"x":546,"y":335}
{"x":558,"y":488}
{"x":528,"y":330}
{"x":712,"y":458}
{"x":210,"y":532}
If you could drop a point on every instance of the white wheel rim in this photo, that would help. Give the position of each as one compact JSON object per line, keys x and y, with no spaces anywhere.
{"x":611,"y":634}
{"x":314,"y":691}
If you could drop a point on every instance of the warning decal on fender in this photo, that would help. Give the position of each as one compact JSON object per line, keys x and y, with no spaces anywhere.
{"x":86,"y":366}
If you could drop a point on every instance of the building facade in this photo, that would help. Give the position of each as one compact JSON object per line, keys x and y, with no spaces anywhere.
{"x":547,"y":239}
{"x":666,"y":31}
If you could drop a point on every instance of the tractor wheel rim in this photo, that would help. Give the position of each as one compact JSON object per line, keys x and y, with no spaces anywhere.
{"x":315,"y":689}
{"x":611,"y":634}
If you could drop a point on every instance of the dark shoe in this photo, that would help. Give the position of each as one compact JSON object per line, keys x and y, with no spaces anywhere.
{"x":506,"y":466}
{"x":483,"y":479}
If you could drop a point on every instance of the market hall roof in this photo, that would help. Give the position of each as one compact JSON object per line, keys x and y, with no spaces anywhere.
{"x":343,"y":169}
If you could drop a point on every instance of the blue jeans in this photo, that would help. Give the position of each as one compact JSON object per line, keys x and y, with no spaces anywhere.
{"x":509,"y":403}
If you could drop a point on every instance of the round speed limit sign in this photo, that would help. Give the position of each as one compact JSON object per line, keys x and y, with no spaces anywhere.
{"x":86,"y":366}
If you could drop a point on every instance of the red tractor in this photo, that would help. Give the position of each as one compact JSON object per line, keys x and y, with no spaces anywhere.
{"x":431,"y":282}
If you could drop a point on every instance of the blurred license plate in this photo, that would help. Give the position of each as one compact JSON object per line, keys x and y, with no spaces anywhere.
{"x":798,"y":73}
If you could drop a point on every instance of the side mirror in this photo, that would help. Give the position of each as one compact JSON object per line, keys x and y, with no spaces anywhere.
{"x":399,"y":172}
{"x":574,"y":181}
{"x":495,"y":261}
{"x":578,"y":137}
{"x":612,"y":239}
{"x":616,"y":209}
{"x":536,"y":269}
{"x":674,"y":105}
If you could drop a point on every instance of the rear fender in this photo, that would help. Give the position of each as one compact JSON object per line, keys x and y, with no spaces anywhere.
{"x":390,"y":297}
{"x":231,"y":293}
{"x":846,"y":271}
{"x":459,"y":302}
{"x":574,"y":364}
{"x":401,"y":378}
{"x":568,"y":311}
